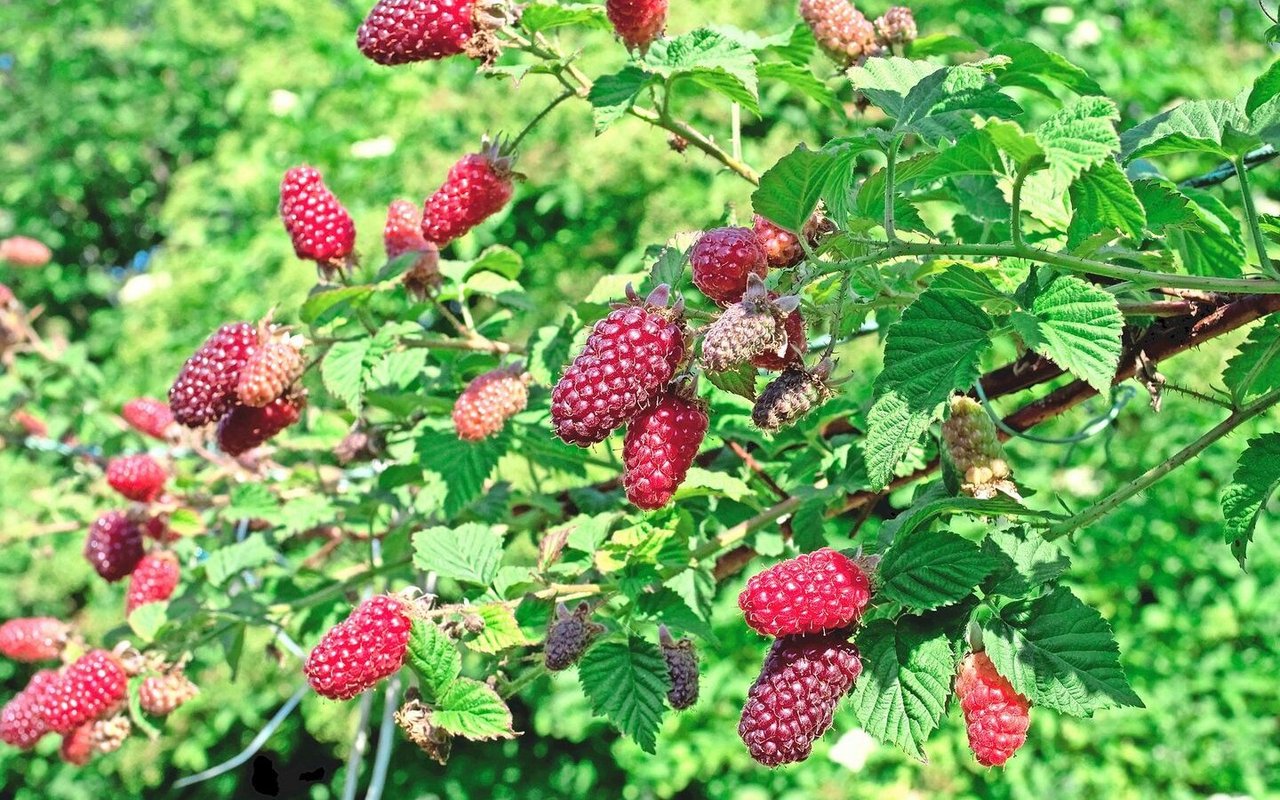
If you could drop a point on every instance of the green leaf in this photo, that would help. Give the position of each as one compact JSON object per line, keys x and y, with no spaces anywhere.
{"x":136,"y":714}
{"x":705,"y":483}
{"x":710,"y":59}
{"x":537,"y":17}
{"x":613,"y":95}
{"x":501,"y":631}
{"x":469,"y":552}
{"x":905,"y":682}
{"x":498,"y":259}
{"x":472,"y":710}
{"x":1030,"y":62}
{"x":1025,"y":562}
{"x":1255,"y":368}
{"x":935,"y":102}
{"x":432,"y":655}
{"x":1078,"y":136}
{"x":941,"y":44}
{"x":928,"y":508}
{"x":799,"y":77}
{"x":1256,"y":478}
{"x":790,"y":189}
{"x":235,"y":558}
{"x":627,"y":683}
{"x":146,"y":620}
{"x":462,"y":466}
{"x":550,"y":348}
{"x":342,"y":371}
{"x":668,"y":268}
{"x":1194,"y":127}
{"x":931,"y":569}
{"x":1103,"y":199}
{"x":1163,"y":205}
{"x":251,"y":500}
{"x":1265,"y":87}
{"x":320,"y":302}
{"x":1059,"y":653}
{"x":1079,"y":325}
{"x":933,"y":350}
{"x":1214,"y":244}
{"x":1021,"y":146}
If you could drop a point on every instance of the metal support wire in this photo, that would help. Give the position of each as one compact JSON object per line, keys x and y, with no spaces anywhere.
{"x":1119,"y":399}
{"x":386,"y":740}
{"x":254,"y":746}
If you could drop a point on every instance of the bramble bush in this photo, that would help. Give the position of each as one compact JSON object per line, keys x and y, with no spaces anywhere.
{"x":406,"y":483}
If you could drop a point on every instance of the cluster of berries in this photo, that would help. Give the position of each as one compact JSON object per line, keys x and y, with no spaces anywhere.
{"x":478,"y":186}
{"x":84,"y":700}
{"x":811,"y":603}
{"x":848,"y":38}
{"x":245,"y":376}
{"x":572,"y":632}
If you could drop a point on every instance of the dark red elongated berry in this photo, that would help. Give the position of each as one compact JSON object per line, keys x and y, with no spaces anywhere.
{"x":682,"y":669}
{"x":811,"y":593}
{"x":404,"y":31}
{"x":247,"y":427}
{"x":357,"y":653}
{"x":206,"y":385}
{"x":90,"y":688}
{"x":153,"y":580}
{"x":791,"y":704}
{"x":114,"y":546}
{"x":722,"y":259}
{"x":661,"y":443}
{"x":21,"y":724}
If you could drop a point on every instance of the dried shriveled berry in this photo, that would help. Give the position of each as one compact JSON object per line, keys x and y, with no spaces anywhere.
{"x":792,"y":395}
{"x":682,"y":669}
{"x":569,"y":636}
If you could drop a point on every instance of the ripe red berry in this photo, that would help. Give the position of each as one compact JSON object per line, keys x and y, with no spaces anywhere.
{"x":90,"y":688}
{"x":206,"y":386}
{"x":791,"y":704}
{"x":403,"y":232}
{"x":661,"y":443}
{"x":114,"y":546}
{"x":20,"y":722}
{"x":476,"y":188}
{"x":246,"y":427}
{"x":637,"y":22}
{"x":366,"y":647}
{"x":138,"y":477}
{"x":319,"y":225}
{"x":23,"y":251}
{"x":569,"y":636}
{"x":682,"y":669}
{"x":843,"y":33}
{"x":814,"y":592}
{"x":404,"y":31}
{"x":33,"y":638}
{"x":630,"y":356}
{"x":995,"y":715}
{"x":153,"y":580}
{"x":161,"y":695}
{"x":270,"y":372}
{"x":722,"y":259}
{"x":78,"y":746}
{"x":489,"y":401}
{"x":149,"y":416}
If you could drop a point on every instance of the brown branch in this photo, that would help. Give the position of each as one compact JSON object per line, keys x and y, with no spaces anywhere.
{"x":755,"y":466}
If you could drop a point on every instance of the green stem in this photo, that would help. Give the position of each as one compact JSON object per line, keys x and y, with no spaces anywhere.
{"x":533,"y":123}
{"x":1140,"y":484}
{"x":890,"y":168}
{"x":1251,"y":213}
{"x":1084,"y":266}
{"x":1015,"y":215}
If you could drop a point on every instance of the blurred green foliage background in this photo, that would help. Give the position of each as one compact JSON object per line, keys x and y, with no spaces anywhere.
{"x":144,"y":141}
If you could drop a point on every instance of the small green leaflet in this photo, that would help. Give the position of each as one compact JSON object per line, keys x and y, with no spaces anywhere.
{"x":545,"y":16}
{"x":550,"y":348}
{"x":432,"y":655}
{"x":342,"y":371}
{"x":932,"y":568}
{"x":1265,"y":87}
{"x":1256,"y":479}
{"x":136,"y":714}
{"x":469,"y":553}
{"x":1198,"y":126}
{"x":146,"y":620}
{"x":1255,"y":369}
{"x":802,"y":80}
{"x":626,"y":681}
{"x":501,"y":631}
{"x":1103,"y":199}
{"x":1213,"y":245}
{"x":1078,"y":136}
{"x":462,"y":466}
{"x":472,"y":710}
{"x":905,"y":682}
{"x":933,"y":350}
{"x":1059,"y":653}
{"x":320,"y":302}
{"x":235,"y":558}
{"x":741,"y":380}
{"x":790,"y":189}
{"x":709,"y":59}
{"x":1030,"y":64}
{"x":612,"y":96}
{"x":1025,"y":562}
{"x":1078,"y":325}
